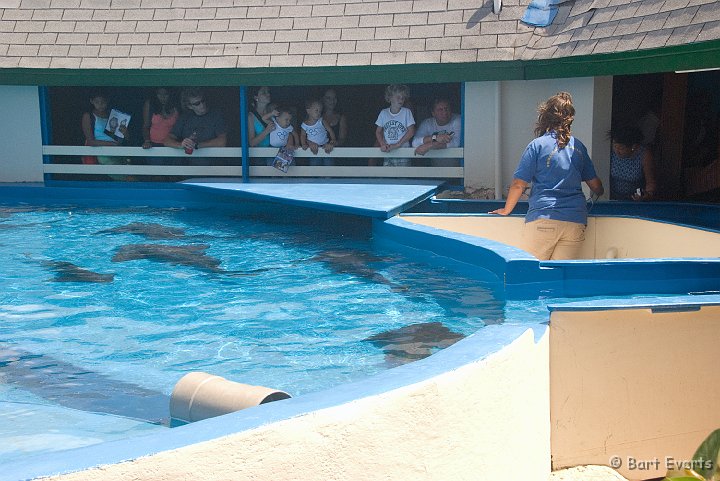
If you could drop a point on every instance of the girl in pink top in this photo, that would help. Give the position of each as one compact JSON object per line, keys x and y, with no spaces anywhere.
{"x":159,"y":115}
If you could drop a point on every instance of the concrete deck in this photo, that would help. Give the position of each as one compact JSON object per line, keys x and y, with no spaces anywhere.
{"x":368,"y":198}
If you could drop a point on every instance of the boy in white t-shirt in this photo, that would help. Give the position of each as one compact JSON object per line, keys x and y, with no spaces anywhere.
{"x":395,"y":124}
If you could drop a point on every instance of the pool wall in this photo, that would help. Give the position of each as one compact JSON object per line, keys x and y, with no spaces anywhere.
{"x":696,"y":214}
{"x":626,"y":379}
{"x":633,"y":380}
{"x":462,"y":413}
{"x":606,"y":237}
{"x":525,"y":277}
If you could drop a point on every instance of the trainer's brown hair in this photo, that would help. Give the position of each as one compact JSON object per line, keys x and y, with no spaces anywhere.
{"x":556,"y":114}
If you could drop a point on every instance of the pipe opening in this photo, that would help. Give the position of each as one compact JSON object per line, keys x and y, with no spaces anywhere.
{"x":199,"y":395}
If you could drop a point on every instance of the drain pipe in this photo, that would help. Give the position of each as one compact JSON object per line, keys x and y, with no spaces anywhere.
{"x":498,"y":145}
{"x":199,"y":395}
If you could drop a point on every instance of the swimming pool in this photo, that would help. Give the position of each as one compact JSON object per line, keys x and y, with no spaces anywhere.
{"x":498,"y":375}
{"x":103,"y":310}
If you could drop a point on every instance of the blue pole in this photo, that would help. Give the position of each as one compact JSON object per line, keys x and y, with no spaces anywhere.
{"x":244,"y":134}
{"x":45,"y":124}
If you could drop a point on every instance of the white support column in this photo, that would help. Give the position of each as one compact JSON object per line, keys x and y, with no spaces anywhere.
{"x":601,"y":120}
{"x":21,"y":153}
{"x":479,"y":134}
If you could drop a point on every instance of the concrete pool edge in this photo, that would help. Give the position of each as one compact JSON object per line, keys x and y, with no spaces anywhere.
{"x":450,"y":382}
{"x":474,"y":349}
{"x":371,"y":199}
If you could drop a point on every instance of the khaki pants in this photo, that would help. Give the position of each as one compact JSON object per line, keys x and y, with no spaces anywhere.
{"x":553,"y":239}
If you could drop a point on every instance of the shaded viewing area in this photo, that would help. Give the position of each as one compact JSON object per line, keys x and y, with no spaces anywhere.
{"x":684,"y":110}
{"x":359,"y":156}
{"x":679,"y":111}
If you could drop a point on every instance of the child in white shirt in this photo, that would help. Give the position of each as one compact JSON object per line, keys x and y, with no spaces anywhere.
{"x":316,"y":132}
{"x":395,"y":124}
{"x":283,"y":134}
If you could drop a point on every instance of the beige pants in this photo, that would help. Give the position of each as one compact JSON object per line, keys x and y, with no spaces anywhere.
{"x":553,"y":239}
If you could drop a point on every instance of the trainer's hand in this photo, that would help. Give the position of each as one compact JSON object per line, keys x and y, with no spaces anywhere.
{"x":502,"y":211}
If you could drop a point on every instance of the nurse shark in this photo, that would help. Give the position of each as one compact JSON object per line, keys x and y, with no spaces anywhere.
{"x":413,"y":342}
{"x":149,"y":230}
{"x":69,"y":272}
{"x":192,"y":255}
{"x":355,"y":263}
{"x":75,"y":387}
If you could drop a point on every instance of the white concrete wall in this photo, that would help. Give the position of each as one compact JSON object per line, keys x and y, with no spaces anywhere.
{"x":633,"y":384}
{"x":488,"y":419}
{"x":21,"y":152}
{"x":519,"y":108}
{"x":599,"y":145}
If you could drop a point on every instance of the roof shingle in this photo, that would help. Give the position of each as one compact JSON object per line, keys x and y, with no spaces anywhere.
{"x":293,"y":33}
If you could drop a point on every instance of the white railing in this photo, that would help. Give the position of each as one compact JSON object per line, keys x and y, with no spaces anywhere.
{"x":254,"y":170}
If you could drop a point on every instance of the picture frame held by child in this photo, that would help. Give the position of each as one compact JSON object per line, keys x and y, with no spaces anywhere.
{"x":117,"y":123}
{"x":284,"y":158}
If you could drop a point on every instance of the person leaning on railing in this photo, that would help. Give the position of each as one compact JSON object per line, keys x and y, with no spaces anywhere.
{"x":160,"y":112}
{"x":198,"y":127}
{"x":441,"y":131}
{"x":632,"y":168}
{"x":94,"y":123}
{"x":395,"y":125}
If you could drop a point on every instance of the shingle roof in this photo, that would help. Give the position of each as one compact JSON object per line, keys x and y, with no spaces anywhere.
{"x":170,"y":34}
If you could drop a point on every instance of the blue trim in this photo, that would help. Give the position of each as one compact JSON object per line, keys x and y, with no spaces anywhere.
{"x":664,"y":304}
{"x":244,"y":142}
{"x":101,"y":194}
{"x":45,"y":124}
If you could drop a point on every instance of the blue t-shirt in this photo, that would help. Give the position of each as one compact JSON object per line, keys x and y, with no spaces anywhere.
{"x":556,"y":176}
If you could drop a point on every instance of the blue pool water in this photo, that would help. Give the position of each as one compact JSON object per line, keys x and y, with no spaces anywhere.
{"x":103,"y":311}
